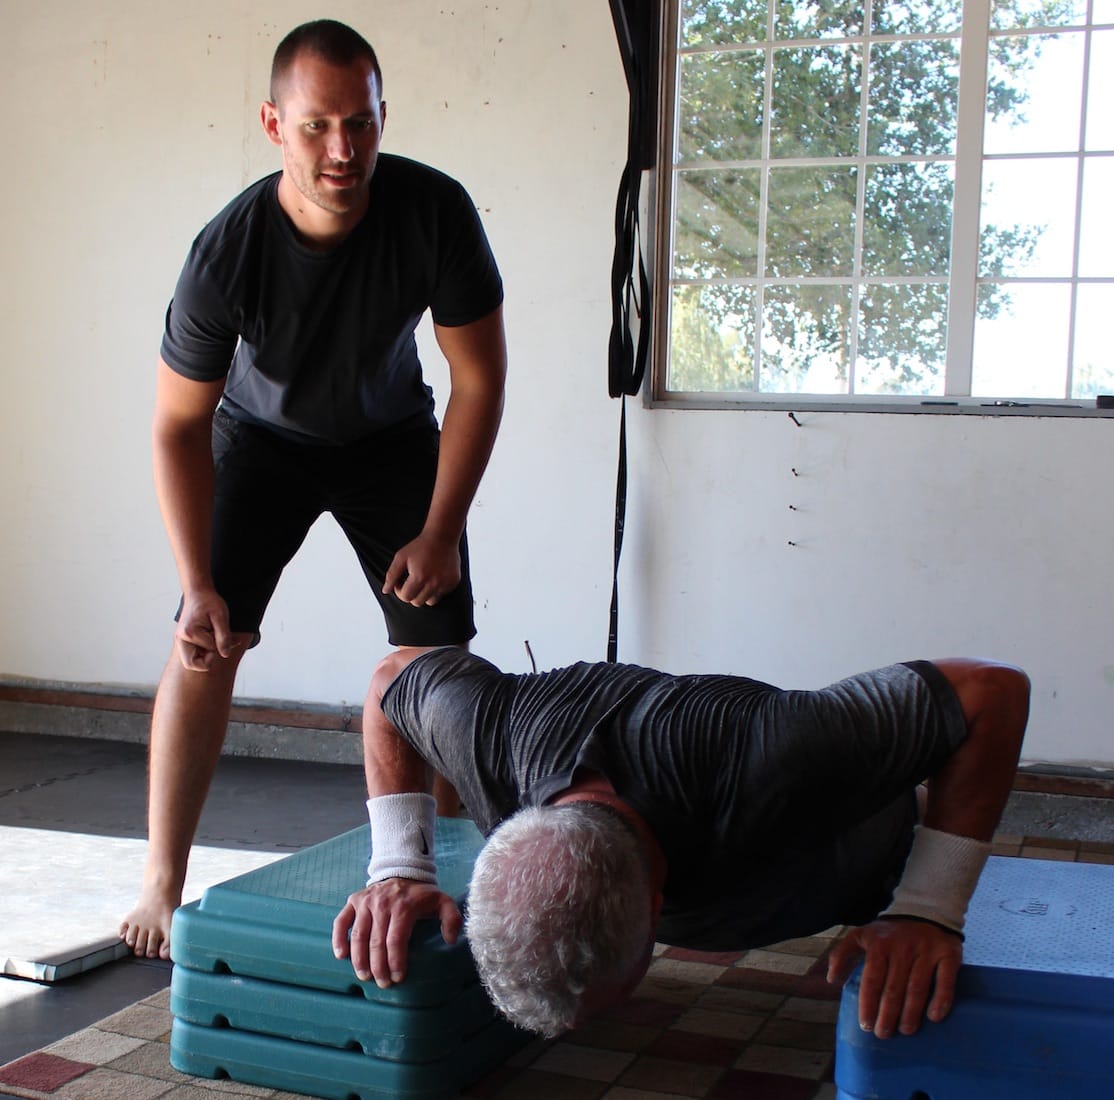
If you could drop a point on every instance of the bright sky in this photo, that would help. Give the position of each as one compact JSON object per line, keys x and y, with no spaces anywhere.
{"x":1024,"y":353}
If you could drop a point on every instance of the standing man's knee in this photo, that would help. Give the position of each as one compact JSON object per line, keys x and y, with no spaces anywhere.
{"x":217,"y":680}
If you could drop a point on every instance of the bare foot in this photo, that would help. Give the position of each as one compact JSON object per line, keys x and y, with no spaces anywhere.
{"x":146,"y":929}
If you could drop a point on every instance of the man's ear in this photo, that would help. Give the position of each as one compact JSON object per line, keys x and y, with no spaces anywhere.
{"x":269,"y":117}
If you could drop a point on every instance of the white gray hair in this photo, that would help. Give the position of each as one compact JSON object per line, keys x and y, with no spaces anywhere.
{"x":559,"y":903}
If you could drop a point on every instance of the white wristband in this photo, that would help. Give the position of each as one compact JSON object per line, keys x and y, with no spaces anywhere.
{"x":402,"y":830}
{"x":940,"y":876}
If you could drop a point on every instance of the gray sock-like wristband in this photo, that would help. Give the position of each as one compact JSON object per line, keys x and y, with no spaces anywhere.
{"x":940,"y":876}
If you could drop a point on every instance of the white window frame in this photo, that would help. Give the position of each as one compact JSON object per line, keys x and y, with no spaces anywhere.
{"x":963,"y":277}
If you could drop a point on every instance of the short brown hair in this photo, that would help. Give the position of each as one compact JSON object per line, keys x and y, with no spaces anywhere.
{"x":333,"y":42}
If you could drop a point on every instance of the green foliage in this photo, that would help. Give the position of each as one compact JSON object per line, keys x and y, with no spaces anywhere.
{"x":809,"y":211}
{"x":712,"y":358}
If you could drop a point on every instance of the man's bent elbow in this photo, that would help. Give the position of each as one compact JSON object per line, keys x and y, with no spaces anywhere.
{"x":993,"y":696}
{"x":1005,"y":691}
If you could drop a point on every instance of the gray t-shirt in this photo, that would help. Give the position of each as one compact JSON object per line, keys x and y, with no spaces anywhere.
{"x":780,"y":813}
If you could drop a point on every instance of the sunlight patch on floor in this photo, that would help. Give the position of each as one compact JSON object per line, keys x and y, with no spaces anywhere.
{"x":62,"y":895}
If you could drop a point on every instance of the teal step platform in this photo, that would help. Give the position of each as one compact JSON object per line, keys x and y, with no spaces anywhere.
{"x":1034,"y":1012}
{"x":271,"y":1062}
{"x":345,"y":1020}
{"x":258,"y":997}
{"x":276,"y":922}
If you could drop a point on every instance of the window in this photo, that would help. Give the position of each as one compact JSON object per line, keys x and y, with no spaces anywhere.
{"x":902,"y":202}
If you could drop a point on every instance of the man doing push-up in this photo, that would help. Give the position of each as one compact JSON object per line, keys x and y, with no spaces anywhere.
{"x":625,"y":806}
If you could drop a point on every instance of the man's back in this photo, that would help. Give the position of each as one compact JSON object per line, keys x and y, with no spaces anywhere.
{"x":725,"y":770}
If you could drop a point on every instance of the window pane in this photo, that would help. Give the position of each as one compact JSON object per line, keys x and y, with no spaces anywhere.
{"x":813,"y":189}
{"x":717,"y":22}
{"x":810,"y":226}
{"x":1100,"y":92}
{"x":1034,"y":94}
{"x":1093,"y":367}
{"x":1021,"y":341}
{"x":819,"y":19}
{"x":902,"y":340}
{"x":914,"y":97}
{"x":1028,"y":217}
{"x":1010,"y":15}
{"x":717,"y":224}
{"x":805,"y":339}
{"x":712,"y":339}
{"x":907,"y":219}
{"x":804,"y":78}
{"x":1096,"y":233}
{"x":917,"y":16}
{"x":720,"y":111}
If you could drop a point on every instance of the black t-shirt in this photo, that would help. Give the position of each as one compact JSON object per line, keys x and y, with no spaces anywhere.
{"x":320,"y":345}
{"x":780,"y":813}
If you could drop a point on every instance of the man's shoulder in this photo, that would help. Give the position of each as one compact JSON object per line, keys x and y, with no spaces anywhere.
{"x":251,"y":207}
{"x":428,"y":671}
{"x":446,"y":662}
{"x":399,"y":177}
{"x":401,"y":168}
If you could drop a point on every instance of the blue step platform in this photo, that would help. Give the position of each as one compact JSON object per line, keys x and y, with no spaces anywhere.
{"x":1034,"y":1011}
{"x":257,"y":995}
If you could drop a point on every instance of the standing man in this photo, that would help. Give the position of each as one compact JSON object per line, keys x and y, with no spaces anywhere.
{"x":289,"y":385}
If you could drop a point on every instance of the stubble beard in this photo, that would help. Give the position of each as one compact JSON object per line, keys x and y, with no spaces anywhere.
{"x":327,"y":198}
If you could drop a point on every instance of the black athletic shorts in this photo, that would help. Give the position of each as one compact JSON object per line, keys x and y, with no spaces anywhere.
{"x":270,"y":490}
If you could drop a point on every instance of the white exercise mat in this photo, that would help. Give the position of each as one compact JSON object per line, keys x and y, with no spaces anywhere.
{"x":63,"y":895}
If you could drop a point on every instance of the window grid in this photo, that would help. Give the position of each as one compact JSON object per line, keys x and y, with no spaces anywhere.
{"x":963,"y":274}
{"x":1081,"y":155}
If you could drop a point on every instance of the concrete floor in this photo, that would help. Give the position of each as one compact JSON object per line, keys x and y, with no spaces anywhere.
{"x":1059,"y":817}
{"x":58,"y":792}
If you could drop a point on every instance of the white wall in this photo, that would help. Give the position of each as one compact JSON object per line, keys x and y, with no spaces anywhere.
{"x":133,"y":122}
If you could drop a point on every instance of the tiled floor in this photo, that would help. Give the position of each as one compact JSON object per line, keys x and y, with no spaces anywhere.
{"x":758,"y":1025}
{"x":755,"y":1024}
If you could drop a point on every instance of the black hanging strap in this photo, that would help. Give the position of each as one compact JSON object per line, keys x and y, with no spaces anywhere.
{"x":636,"y":27}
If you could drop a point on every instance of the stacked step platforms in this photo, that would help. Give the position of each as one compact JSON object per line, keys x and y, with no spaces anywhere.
{"x":1034,"y":1011}
{"x":257,"y":995}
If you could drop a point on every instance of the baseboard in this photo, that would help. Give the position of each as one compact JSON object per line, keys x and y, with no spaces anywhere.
{"x":285,"y":730}
{"x":257,"y":728}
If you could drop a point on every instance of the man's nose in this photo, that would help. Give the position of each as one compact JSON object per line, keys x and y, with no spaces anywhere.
{"x":339,"y":145}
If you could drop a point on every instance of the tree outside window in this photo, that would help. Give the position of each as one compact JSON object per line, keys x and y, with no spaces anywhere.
{"x":899,"y":201}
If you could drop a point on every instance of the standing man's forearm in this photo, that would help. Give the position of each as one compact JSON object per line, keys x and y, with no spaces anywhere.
{"x":428,"y":567}
{"x":184,"y":485}
{"x":183,"y":470}
{"x":468,"y":431}
{"x":185,"y":501}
